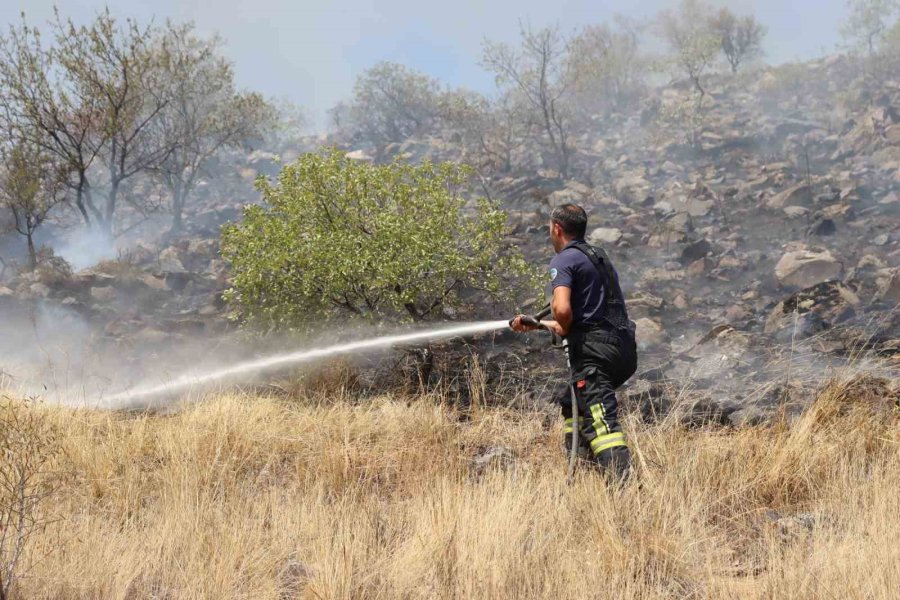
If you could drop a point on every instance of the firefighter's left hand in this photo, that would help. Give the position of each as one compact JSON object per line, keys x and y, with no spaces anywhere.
{"x":517,"y":325}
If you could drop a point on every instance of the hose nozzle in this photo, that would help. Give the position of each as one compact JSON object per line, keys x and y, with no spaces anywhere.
{"x":534,"y":320}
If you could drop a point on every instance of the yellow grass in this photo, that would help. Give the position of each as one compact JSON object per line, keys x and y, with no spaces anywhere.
{"x":243,"y":497}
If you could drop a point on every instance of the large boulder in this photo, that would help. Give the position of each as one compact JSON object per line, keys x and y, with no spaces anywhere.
{"x":798,"y":195}
{"x":805,"y":268}
{"x":170,"y":261}
{"x":694,"y":251}
{"x":605,"y":236}
{"x":812,"y":310}
{"x":650,"y":335}
{"x":889,"y":287}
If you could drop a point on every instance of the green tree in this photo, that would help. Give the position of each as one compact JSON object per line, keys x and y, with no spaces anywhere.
{"x":740,"y":37}
{"x":338,"y":237}
{"x":391,"y":102}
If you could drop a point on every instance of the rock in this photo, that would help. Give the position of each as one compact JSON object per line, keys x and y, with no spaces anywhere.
{"x":791,"y":527}
{"x":93,"y":278}
{"x":650,"y":334}
{"x":663,"y":209}
{"x":822,"y":227}
{"x":724,"y":338}
{"x":815,"y":309}
{"x":892,"y":134}
{"x":38,"y":289}
{"x":695,"y":251}
{"x":203,"y":248}
{"x":495,"y":457}
{"x":892,"y":198}
{"x":804,"y":268}
{"x":735,"y":314}
{"x":153,"y":282}
{"x":889,"y":287}
{"x":644,"y":304}
{"x":170,"y":262}
{"x":795,"y":211}
{"x":151,"y":337}
{"x":208,"y":310}
{"x":680,"y":223}
{"x":700,"y":267}
{"x":360,"y":155}
{"x":797,"y":195}
{"x":563,"y":196}
{"x":605,"y":236}
{"x":104,"y":294}
{"x":632,"y":187}
{"x":702,"y":412}
{"x":749,"y":416}
{"x":292,"y":576}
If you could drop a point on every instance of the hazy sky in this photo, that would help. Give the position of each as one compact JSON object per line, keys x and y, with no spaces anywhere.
{"x":311,"y":51}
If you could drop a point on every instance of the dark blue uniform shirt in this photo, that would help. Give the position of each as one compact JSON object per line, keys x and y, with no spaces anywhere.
{"x":574,"y":270}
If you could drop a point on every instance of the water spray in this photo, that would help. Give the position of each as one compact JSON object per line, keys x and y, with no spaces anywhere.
{"x":190,"y":381}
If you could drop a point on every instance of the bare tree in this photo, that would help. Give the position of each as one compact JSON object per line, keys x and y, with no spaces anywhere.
{"x":491,"y":130}
{"x":284,"y":125}
{"x":43,"y":104}
{"x":203,"y":114}
{"x":868,"y":22}
{"x":740,"y":38}
{"x":693,"y":43}
{"x":540,"y":72}
{"x":122,"y":66}
{"x":89,"y":99}
{"x":31,"y":185}
{"x":870,"y":32}
{"x":609,"y":65}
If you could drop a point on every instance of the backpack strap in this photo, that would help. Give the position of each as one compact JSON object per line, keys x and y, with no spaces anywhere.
{"x":600,"y":262}
{"x":616,"y":315}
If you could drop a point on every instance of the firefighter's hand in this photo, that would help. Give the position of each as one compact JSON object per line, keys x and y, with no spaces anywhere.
{"x":554,"y":327}
{"x":518,"y":325}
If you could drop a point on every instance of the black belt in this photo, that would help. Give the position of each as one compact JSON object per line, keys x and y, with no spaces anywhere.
{"x":601,"y":332}
{"x":601,"y":326}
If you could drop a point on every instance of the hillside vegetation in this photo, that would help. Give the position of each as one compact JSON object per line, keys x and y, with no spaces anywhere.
{"x":249,"y":497}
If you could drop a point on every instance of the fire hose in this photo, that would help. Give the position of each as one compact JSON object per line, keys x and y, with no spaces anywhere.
{"x":535,"y":321}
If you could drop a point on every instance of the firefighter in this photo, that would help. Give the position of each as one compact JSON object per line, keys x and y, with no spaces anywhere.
{"x":589,"y":311}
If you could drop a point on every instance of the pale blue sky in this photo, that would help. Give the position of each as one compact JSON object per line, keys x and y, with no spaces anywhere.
{"x":310,"y":52}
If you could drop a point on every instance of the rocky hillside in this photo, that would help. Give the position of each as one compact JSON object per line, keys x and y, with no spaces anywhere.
{"x":765,"y":229}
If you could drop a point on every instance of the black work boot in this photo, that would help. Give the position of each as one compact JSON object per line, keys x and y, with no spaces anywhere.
{"x":615,"y":463}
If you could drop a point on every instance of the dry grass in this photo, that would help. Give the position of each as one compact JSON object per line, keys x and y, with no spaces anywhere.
{"x":241,"y":497}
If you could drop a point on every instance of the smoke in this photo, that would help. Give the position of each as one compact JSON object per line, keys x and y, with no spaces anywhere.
{"x":45,"y":351}
{"x":84,"y":247}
